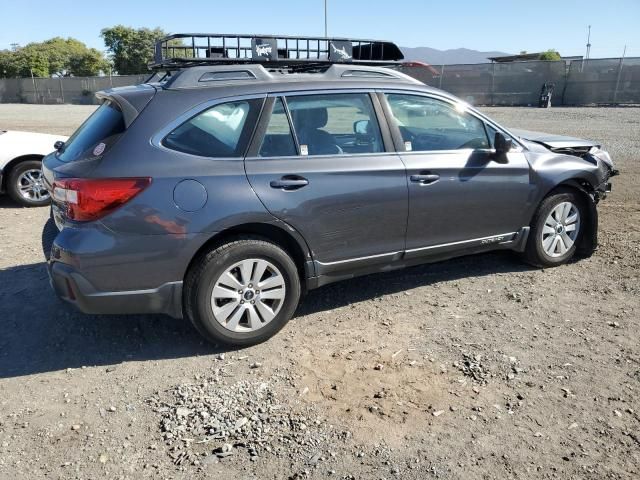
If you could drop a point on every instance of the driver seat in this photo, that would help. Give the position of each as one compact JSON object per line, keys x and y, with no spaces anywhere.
{"x":308,"y":124}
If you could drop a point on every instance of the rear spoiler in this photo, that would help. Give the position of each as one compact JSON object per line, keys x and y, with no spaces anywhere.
{"x":130,"y":100}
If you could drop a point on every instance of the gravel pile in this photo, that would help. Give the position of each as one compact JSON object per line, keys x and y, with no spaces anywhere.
{"x":473,"y":367}
{"x":208,"y":421}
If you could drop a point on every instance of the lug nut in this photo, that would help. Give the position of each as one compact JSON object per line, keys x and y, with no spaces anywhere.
{"x":253,"y":302}
{"x":241,"y":301}
{"x":250,"y":286}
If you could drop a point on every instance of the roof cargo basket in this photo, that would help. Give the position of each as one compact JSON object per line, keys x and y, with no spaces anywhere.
{"x":184,"y":50}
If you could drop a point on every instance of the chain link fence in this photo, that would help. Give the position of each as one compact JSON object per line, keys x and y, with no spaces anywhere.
{"x":77,"y":90}
{"x":610,"y":81}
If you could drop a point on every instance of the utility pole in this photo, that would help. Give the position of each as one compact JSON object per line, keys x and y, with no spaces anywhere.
{"x":325,"y":18}
{"x":615,"y":92}
{"x":586,"y":57}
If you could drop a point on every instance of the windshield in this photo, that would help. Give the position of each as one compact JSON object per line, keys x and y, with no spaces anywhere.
{"x":95,"y":135}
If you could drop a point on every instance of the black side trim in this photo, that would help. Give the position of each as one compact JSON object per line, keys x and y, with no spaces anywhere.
{"x":73,"y":288}
{"x":334,"y":272}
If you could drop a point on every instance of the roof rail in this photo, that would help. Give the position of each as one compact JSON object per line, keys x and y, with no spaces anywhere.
{"x":183,"y":50}
{"x":202,"y":76}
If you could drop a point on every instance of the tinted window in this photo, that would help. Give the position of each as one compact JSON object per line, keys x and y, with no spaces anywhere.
{"x":220,"y":131}
{"x":335,"y":124}
{"x":104,"y":126}
{"x":278,"y":140}
{"x":430,"y":124}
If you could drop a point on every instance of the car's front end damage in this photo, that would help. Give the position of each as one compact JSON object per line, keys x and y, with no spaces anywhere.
{"x":559,"y":160}
{"x":589,"y":151}
{"x":602,"y":159}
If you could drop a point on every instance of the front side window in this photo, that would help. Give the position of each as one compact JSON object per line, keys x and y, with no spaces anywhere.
{"x":335,"y":124}
{"x":427,"y":124}
{"x":278,"y":139}
{"x":220,"y":131}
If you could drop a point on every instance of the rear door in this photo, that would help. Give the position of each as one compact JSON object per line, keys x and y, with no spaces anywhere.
{"x":459,"y":195}
{"x":324,"y":164}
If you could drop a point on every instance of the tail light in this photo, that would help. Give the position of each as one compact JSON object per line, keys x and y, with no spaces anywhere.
{"x":88,"y":199}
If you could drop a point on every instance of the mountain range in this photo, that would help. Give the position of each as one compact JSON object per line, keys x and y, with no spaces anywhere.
{"x":434,"y":56}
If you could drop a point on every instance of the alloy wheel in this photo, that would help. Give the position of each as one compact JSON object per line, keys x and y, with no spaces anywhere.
{"x":560,"y":229}
{"x":248,"y":295}
{"x":31,"y":186}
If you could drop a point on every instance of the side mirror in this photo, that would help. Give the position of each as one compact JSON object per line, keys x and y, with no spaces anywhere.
{"x":59,"y":145}
{"x":361,"y":127}
{"x":502,"y":145}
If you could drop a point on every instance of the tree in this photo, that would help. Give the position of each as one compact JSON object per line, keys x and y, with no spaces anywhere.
{"x":131,"y":49}
{"x":23,"y":63}
{"x":57,"y":56}
{"x":550,"y":54}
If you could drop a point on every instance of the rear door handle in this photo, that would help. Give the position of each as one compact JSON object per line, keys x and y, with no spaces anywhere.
{"x":425,"y":179}
{"x":289,"y":183}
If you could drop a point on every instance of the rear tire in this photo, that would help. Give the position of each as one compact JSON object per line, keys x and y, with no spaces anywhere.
{"x":25,"y":184}
{"x":242,"y":292}
{"x":556,"y":229}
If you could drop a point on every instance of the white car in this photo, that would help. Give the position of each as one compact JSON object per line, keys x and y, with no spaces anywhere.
{"x":21,"y":155}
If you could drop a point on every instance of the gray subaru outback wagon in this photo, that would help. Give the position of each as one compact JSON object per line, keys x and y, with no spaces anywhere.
{"x":255,"y":168}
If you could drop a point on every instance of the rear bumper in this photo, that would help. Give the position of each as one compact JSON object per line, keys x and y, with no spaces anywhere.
{"x":96,"y":285}
{"x":73,"y":288}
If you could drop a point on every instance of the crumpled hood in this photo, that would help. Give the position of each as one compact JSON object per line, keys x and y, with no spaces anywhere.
{"x":578,"y":147}
{"x":552,"y":141}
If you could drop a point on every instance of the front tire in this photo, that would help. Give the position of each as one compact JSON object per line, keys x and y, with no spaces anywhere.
{"x":25,"y":184}
{"x":242,"y":292}
{"x":556,"y":229}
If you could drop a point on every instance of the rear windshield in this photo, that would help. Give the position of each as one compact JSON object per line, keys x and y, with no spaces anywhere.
{"x":95,"y":135}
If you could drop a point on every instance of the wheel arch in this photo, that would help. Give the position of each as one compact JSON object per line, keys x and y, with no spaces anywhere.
{"x":290,"y":241}
{"x":6,"y":170}
{"x":589,"y":241}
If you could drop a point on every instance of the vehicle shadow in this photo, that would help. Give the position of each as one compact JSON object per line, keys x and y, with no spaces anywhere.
{"x":7,"y":202}
{"x":371,"y":286}
{"x":40,"y":333}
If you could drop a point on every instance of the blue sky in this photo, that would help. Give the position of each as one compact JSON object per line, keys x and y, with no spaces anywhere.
{"x":509,"y":26}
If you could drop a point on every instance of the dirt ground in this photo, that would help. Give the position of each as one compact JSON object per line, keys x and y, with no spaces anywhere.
{"x":479,"y":367}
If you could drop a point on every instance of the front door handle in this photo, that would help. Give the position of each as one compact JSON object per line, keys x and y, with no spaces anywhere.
{"x":289,"y":183}
{"x":425,"y":179}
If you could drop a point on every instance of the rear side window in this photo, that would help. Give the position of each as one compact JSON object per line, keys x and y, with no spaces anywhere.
{"x":335,"y":124}
{"x":278,"y":139}
{"x":95,"y":135}
{"x":220,"y":131}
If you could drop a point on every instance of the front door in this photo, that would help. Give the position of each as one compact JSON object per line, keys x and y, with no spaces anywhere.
{"x":459,"y":195}
{"x":325,"y":166}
